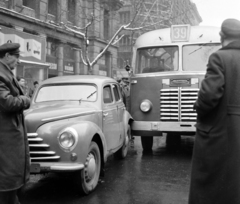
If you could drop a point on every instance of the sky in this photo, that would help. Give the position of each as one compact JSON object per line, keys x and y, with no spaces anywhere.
{"x":214,"y":12}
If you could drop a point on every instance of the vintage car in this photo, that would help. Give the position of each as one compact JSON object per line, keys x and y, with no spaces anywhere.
{"x":74,"y":123}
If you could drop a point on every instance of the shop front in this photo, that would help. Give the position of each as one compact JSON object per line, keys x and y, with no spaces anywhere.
{"x":33,"y":66}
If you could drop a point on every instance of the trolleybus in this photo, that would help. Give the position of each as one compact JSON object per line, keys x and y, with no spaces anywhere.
{"x":168,"y":67}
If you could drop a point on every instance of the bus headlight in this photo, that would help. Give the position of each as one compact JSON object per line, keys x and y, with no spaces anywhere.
{"x":68,"y":138}
{"x":146,"y":106}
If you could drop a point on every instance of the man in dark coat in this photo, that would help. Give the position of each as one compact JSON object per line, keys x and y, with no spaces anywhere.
{"x":14,"y":153}
{"x":215,"y":176}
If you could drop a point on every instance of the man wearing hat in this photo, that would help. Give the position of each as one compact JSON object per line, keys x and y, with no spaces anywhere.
{"x":215,"y":176}
{"x":14,"y":152}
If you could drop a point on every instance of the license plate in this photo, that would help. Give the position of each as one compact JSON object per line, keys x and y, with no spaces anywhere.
{"x":35,"y":168}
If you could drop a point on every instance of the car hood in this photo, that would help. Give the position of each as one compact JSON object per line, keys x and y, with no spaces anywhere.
{"x":48,"y":112}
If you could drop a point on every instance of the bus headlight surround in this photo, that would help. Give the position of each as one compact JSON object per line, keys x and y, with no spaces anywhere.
{"x":146,"y":106}
{"x":68,"y":139}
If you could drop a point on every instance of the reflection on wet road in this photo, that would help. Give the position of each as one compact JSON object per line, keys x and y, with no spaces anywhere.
{"x":158,"y":178}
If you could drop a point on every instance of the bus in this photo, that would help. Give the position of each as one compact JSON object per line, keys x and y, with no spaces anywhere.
{"x":168,"y":66}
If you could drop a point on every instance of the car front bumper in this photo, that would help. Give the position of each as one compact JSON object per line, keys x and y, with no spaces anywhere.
{"x":48,"y":167}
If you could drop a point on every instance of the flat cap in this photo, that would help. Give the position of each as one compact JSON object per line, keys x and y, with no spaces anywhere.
{"x":12,"y":48}
{"x":231,"y":28}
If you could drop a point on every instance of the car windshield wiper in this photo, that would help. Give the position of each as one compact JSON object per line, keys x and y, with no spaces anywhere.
{"x":91,"y":94}
{"x":201,"y":46}
{"x":80,"y":100}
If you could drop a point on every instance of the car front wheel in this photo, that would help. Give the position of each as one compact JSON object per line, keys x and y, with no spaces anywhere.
{"x":88,"y":177}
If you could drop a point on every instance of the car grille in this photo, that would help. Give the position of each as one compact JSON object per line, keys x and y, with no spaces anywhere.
{"x":40,"y":151}
{"x":177,"y":104}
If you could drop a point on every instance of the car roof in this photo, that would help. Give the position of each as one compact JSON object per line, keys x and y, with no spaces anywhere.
{"x":79,"y":79}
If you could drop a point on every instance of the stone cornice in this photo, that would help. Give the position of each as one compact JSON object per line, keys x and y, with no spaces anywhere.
{"x":34,"y":23}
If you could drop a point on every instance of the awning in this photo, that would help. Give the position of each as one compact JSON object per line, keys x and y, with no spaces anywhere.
{"x":34,"y":63}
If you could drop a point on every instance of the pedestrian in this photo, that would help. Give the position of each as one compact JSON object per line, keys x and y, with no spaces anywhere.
{"x":215,"y":176}
{"x":31,"y":91}
{"x":22,"y":84}
{"x":14,"y":152}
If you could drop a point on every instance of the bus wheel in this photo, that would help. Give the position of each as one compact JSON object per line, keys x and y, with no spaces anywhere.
{"x":173,"y":140}
{"x":147,"y":143}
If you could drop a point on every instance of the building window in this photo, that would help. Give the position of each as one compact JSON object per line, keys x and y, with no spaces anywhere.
{"x":52,"y":7}
{"x":68,"y":52}
{"x":29,"y":3}
{"x":51,"y":47}
{"x":106,"y":24}
{"x":71,"y":10}
{"x":125,"y":40}
{"x":124,"y":17}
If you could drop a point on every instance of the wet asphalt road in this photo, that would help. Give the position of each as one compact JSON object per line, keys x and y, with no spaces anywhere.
{"x":159,"y":178}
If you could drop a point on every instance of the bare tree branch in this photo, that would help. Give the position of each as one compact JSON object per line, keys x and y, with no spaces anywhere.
{"x":117,"y":40}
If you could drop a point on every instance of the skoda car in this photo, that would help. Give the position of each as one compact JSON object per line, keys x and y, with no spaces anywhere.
{"x":74,"y":123}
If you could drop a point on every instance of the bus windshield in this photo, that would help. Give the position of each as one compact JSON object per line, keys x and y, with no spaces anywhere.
{"x":157,"y":59}
{"x":195,"y":57}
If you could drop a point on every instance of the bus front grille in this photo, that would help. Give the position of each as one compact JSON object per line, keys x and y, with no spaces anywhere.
{"x":177,"y":104}
{"x":40,"y":151}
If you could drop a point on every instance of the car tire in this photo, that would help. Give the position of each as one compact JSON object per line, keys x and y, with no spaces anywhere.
{"x":122,"y":152}
{"x":89,"y":176}
{"x":147,"y":143}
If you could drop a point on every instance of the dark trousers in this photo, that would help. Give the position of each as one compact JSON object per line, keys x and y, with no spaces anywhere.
{"x":9,"y":197}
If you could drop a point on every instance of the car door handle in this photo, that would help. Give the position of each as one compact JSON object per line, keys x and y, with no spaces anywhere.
{"x":105,"y":114}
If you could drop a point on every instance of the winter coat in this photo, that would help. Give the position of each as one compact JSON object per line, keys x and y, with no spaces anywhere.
{"x":14,"y":152}
{"x":215,"y":176}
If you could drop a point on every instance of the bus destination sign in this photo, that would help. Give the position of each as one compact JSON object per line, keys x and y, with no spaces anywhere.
{"x":180,"y":33}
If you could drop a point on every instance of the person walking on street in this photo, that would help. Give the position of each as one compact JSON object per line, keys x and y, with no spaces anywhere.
{"x":22,"y":84}
{"x":31,"y":91}
{"x":215,"y":176}
{"x":14,"y":151}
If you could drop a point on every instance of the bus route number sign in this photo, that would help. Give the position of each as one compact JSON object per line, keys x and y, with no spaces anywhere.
{"x":180,"y":33}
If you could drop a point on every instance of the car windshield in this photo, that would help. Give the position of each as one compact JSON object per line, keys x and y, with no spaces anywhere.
{"x":67,"y":92}
{"x":157,"y":59}
{"x":195,"y":57}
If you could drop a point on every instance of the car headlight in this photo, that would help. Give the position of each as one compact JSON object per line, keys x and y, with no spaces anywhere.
{"x":146,"y":106}
{"x":68,"y":138}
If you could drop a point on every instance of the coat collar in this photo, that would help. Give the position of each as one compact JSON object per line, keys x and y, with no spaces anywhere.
{"x":12,"y":75}
{"x":7,"y":67}
{"x":232,"y":45}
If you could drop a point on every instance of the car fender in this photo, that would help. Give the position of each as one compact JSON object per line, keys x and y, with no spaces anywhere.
{"x":86,"y":131}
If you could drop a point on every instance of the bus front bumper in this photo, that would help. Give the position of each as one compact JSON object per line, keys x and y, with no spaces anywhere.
{"x":156,"y":128}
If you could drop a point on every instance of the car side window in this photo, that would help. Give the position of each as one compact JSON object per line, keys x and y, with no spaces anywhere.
{"x":116,"y":92}
{"x":107,"y":94}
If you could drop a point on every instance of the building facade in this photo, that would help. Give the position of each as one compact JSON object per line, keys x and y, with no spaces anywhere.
{"x":48,"y":48}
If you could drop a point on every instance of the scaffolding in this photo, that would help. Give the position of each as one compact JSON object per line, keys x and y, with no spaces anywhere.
{"x":156,"y":14}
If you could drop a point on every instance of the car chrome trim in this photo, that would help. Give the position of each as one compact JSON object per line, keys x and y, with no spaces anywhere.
{"x":35,"y":139}
{"x":68,"y":116}
{"x":67,"y":168}
{"x":43,"y":152}
{"x":32,"y":134}
{"x":38,"y":145}
{"x":45,"y":158}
